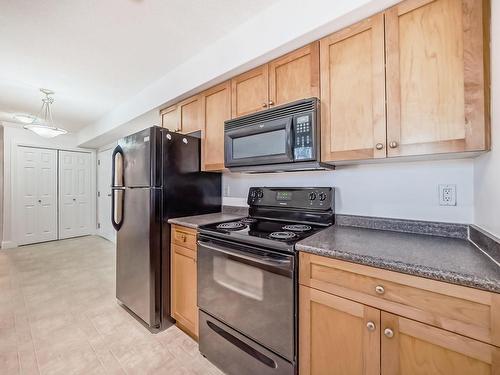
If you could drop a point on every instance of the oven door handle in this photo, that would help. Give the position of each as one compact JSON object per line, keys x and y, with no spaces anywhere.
{"x":285,"y":264}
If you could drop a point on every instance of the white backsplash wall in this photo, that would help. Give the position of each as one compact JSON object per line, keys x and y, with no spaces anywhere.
{"x":407,"y":190}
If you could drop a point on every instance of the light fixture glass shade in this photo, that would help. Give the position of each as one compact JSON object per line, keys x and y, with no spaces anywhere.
{"x":45,"y":131}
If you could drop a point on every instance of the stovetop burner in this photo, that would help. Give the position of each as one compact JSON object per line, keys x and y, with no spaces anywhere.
{"x":297,"y":228}
{"x":282,"y":235}
{"x":233,"y":225}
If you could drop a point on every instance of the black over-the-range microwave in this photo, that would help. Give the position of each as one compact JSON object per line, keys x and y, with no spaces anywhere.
{"x":283,"y":138}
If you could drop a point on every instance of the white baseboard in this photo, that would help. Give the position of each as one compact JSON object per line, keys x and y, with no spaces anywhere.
{"x":8,"y":244}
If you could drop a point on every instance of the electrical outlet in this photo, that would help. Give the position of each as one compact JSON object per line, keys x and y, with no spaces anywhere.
{"x":447,"y":195}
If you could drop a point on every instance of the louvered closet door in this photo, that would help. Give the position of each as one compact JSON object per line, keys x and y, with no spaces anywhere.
{"x":74,"y":194}
{"x":36,"y":191}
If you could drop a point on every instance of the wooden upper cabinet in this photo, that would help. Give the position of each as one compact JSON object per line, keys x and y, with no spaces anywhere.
{"x":169,"y":118}
{"x":337,"y":336}
{"x":294,"y":76}
{"x":215,"y":109}
{"x":437,"y":99}
{"x":409,"y":347}
{"x":353,"y":124}
{"x":249,"y":91}
{"x":188,"y":112}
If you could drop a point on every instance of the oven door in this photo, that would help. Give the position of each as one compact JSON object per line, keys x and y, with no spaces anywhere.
{"x":250,"y":290}
{"x":267,"y":143}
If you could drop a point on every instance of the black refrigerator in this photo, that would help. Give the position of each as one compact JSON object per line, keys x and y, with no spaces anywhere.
{"x":156,"y":176}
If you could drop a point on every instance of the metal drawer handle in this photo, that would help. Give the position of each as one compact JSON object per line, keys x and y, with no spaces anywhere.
{"x":379,"y":289}
{"x":370,"y":326}
{"x":389,"y":333}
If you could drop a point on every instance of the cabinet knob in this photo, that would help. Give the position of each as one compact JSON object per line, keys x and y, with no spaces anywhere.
{"x":39,"y":201}
{"x":370,"y":326}
{"x":380,"y":289}
{"x":264,"y":105}
{"x":379,"y":146}
{"x":389,"y":333}
{"x":393,"y":144}
{"x":270,"y":102}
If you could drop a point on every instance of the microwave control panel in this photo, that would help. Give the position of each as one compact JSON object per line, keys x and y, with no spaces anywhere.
{"x":304,"y":138}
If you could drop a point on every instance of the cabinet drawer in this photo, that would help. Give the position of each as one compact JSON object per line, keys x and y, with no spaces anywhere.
{"x":467,"y":311}
{"x":183,"y":236}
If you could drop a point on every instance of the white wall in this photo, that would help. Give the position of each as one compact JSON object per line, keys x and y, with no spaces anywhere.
{"x":487,"y":167}
{"x":406,"y":190}
{"x":14,"y":134}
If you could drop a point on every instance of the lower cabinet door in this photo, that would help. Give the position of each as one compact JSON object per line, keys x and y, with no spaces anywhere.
{"x":337,"y":336}
{"x":410,"y":347}
{"x":184,"y":308}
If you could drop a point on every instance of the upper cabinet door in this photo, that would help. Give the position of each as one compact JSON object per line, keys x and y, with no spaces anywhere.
{"x":189,"y":115}
{"x":249,"y":91}
{"x":294,"y":76}
{"x":215,"y":109}
{"x":436,"y":94}
{"x":169,"y":118}
{"x":353,"y":125}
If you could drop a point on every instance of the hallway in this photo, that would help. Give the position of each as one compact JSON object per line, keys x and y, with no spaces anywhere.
{"x":59,"y":315}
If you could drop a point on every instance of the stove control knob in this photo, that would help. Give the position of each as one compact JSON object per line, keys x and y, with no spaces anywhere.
{"x":322,"y":196}
{"x":253,"y":193}
{"x":312,"y":196}
{"x":260,"y":193}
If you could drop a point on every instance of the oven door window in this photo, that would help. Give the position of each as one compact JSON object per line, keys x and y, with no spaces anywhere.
{"x":253,"y":293}
{"x":267,"y":143}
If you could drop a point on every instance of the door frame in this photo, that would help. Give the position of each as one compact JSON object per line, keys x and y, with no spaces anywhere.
{"x":99,"y":232}
{"x":14,"y":182}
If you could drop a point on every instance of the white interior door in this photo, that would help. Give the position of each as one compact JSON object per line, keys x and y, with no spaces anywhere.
{"x":104,"y":227}
{"x":36,"y":191}
{"x":75,"y":214}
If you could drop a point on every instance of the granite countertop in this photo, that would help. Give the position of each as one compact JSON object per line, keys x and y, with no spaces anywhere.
{"x":195,"y":221}
{"x":452,"y":260}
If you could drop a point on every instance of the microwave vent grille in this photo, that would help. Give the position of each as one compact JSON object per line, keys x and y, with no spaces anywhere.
{"x":283,"y":111}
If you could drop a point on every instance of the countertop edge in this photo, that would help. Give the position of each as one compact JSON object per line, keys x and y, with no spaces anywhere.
{"x":406,"y":268}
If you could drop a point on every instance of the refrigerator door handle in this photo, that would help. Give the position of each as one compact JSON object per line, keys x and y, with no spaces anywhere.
{"x":117,"y":200}
{"x":117,"y":167}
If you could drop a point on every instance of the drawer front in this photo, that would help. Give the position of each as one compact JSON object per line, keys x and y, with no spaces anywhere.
{"x":458,"y":309}
{"x":183,"y":236}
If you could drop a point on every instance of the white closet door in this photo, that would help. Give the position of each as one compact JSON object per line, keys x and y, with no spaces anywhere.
{"x":74,"y":194}
{"x":36,"y":187}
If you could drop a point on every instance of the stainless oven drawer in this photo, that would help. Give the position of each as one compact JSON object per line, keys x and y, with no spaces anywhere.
{"x":251,"y":290}
{"x":235,"y":354}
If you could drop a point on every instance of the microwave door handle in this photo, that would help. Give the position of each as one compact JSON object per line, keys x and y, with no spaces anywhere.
{"x":289,"y":139}
{"x":276,"y":263}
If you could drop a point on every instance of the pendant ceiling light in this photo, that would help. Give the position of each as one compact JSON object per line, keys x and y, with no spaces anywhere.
{"x":43,"y":124}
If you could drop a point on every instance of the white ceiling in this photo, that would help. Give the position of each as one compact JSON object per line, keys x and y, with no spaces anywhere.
{"x":96,"y":54}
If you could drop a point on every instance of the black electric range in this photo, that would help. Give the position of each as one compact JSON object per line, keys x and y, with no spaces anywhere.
{"x":247,"y":280}
{"x":278,"y":217}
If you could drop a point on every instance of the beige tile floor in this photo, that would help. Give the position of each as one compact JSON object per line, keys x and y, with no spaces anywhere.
{"x":59,"y":315}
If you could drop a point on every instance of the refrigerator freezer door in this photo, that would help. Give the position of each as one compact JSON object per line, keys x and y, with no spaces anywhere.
{"x":138,"y":256}
{"x":142,"y":158}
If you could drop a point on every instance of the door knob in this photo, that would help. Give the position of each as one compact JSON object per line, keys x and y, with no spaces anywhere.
{"x":370,"y":326}
{"x":389,"y":333}
{"x":379,"y":146}
{"x":393,"y":144}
